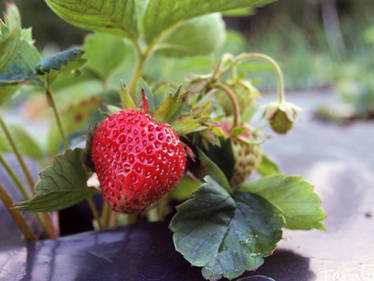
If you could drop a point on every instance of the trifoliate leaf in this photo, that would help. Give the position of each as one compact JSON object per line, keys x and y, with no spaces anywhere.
{"x":61,"y":185}
{"x":164,"y":15}
{"x":111,"y":16}
{"x":225,"y":235}
{"x":293,"y":196}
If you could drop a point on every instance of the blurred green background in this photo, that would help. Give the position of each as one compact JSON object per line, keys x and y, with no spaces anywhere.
{"x":307,"y":37}
{"x":318,"y":43}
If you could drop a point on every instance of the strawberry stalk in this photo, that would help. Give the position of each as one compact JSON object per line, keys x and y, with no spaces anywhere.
{"x":105,"y":215}
{"x":234,"y":102}
{"x":22,"y":189}
{"x":52,"y":103}
{"x":276,"y":66}
{"x":20,"y":221}
{"x":47,"y":220}
{"x":114,"y":219}
{"x":95,"y":212}
{"x":18,"y":155}
{"x":15,"y":178}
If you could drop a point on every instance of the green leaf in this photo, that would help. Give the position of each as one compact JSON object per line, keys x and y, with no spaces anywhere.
{"x":293,"y":196}
{"x":184,"y":189}
{"x":74,"y":118}
{"x":18,"y":55}
{"x":111,"y":16}
{"x":223,"y":234}
{"x":239,"y":13}
{"x":162,"y":16}
{"x":62,"y":62}
{"x":6,"y":92}
{"x":267,"y":167}
{"x":169,"y":107}
{"x":222,"y":156}
{"x":8,"y":48}
{"x":183,"y":41}
{"x":26,"y":144}
{"x":104,"y":53}
{"x":186,"y":125}
{"x":212,"y":170}
{"x":128,"y":102}
{"x":61,"y":185}
{"x":142,"y":84}
{"x":12,"y":18}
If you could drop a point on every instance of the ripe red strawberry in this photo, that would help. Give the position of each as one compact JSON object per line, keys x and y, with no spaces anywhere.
{"x":137,"y":160}
{"x":247,"y":152}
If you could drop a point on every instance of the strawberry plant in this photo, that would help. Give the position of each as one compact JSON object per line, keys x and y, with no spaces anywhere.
{"x":151,"y":141}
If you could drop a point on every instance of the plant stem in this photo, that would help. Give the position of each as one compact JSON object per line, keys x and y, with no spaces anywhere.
{"x":131,"y":218}
{"x":105,"y":216}
{"x":15,"y":178}
{"x":234,"y":102}
{"x":52,"y":103}
{"x":152,"y":214}
{"x":20,"y":221}
{"x":114,"y":219}
{"x":144,"y":56}
{"x":136,"y":77}
{"x":21,"y":188}
{"x":95,"y":212}
{"x":274,"y":64}
{"x":49,"y":225}
{"x":163,"y":206}
{"x":19,"y":157}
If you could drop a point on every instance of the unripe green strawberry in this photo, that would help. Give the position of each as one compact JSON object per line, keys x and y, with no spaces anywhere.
{"x":281,"y":116}
{"x":245,"y":94}
{"x":137,"y":160}
{"x":247,"y":152}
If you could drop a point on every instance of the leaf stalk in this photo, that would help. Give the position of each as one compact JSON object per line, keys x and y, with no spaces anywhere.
{"x":18,"y":218}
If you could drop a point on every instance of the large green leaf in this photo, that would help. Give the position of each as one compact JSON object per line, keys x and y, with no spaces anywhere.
{"x":104,"y":53}
{"x":61,"y":185}
{"x":198,"y":36}
{"x":112,"y":16}
{"x":74,"y":118}
{"x":293,"y":196}
{"x":62,"y":62}
{"x":226,"y":235}
{"x":162,"y":16}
